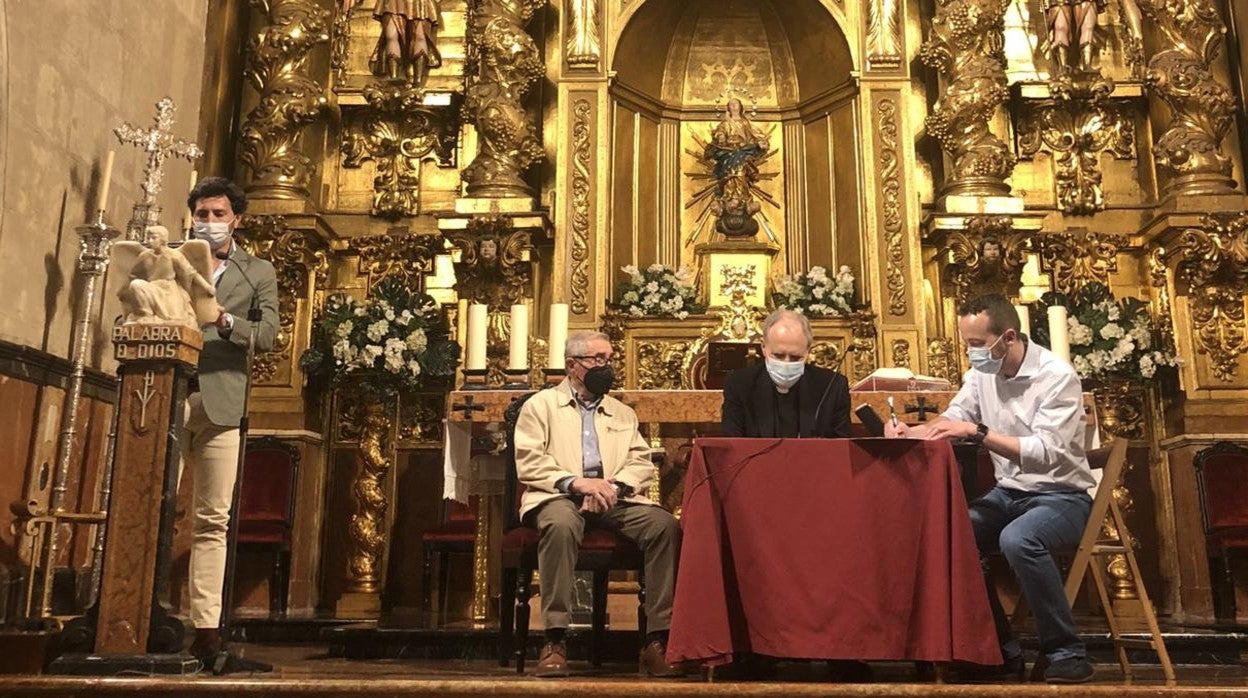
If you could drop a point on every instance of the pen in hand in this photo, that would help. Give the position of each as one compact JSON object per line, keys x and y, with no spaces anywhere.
{"x":891,"y":411}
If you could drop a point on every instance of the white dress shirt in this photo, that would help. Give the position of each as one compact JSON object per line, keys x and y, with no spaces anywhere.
{"x":1043,"y":406}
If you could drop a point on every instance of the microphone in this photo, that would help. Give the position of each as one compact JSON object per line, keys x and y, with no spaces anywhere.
{"x":820,"y":405}
{"x":870,"y":419}
{"x":253,"y":313}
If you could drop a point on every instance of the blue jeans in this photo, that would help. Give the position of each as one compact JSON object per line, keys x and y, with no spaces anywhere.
{"x":1026,"y":527}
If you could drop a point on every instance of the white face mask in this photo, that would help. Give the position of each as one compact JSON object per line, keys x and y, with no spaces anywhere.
{"x":982,"y":359}
{"x":216,"y":233}
{"x":785,"y":374}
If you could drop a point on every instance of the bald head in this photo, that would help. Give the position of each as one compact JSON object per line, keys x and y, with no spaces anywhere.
{"x":787,"y":336}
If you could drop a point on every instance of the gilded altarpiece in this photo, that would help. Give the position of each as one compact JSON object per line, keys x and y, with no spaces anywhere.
{"x":902,"y":138}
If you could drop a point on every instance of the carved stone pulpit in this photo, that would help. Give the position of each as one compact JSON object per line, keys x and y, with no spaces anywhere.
{"x":156,"y":361}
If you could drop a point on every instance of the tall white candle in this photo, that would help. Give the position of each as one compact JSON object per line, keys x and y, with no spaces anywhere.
{"x":1059,"y":337}
{"x":461,"y":328}
{"x":558,"y":336}
{"x":106,"y":181}
{"x":478,"y":327}
{"x":1024,"y":318}
{"x":518,"y":354}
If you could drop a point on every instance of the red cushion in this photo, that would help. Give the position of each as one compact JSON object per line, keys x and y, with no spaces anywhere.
{"x":268,"y":486}
{"x":451,"y":532}
{"x":525,"y":539}
{"x":1225,"y":477}
{"x":263,"y":532}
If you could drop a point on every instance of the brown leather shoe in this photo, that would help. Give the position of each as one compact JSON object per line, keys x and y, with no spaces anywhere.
{"x":654,"y":662}
{"x":552,"y":661}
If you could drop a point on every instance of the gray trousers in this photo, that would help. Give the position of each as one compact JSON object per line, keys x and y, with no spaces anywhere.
{"x":562,"y":526}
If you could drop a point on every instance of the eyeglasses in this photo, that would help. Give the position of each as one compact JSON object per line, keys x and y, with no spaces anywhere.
{"x":595,"y":360}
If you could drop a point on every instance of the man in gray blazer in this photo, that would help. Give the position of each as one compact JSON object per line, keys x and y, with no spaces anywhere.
{"x":210,"y":440}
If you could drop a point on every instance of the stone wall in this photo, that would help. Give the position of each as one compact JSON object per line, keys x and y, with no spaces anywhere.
{"x":70,"y":71}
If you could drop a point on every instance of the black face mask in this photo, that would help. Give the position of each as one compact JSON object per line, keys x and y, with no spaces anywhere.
{"x":599,"y":379}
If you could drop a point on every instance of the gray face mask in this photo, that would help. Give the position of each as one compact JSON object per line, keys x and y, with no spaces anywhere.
{"x":215,"y":233}
{"x":785,"y":374}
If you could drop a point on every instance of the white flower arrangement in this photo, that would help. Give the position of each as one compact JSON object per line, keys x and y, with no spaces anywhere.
{"x":392,"y":339}
{"x":658,"y":291}
{"x":1114,"y":338}
{"x":815,"y":293}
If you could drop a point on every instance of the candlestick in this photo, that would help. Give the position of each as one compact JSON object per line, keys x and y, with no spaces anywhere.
{"x":478,"y":327}
{"x":518,"y":350}
{"x":1059,"y":337}
{"x":558,"y":336}
{"x":1024,"y":318}
{"x":106,"y":181}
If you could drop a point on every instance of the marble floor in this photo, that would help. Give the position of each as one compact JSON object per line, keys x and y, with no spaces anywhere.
{"x":308,"y":670}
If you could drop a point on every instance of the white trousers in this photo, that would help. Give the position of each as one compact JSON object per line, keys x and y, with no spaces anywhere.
{"x":212,"y":453}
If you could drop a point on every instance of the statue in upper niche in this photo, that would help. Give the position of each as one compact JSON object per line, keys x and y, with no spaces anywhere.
{"x":733,"y":157}
{"x":408,"y":46}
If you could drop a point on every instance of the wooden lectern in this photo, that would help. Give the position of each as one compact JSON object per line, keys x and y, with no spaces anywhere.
{"x":132,"y":625}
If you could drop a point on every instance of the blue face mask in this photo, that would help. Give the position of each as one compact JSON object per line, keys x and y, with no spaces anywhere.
{"x":981,"y":358}
{"x":785,"y":374}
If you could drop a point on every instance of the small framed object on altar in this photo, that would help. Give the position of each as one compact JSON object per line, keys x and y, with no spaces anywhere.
{"x":724,"y":357}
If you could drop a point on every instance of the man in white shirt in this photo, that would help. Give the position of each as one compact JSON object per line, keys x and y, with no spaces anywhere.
{"x":1025,"y":405}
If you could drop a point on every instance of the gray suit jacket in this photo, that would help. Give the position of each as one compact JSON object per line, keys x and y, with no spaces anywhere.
{"x":223,"y":363}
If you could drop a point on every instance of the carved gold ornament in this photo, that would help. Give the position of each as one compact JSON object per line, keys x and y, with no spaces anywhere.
{"x":1078,"y":257}
{"x":988,"y":257}
{"x":367,"y":528}
{"x":503,"y":62}
{"x":1213,"y":265}
{"x":965,"y":46}
{"x":1202,"y":108}
{"x":890,"y":193}
{"x":397,"y":132}
{"x":495,"y":264}
{"x":289,"y":99}
{"x":584,"y":47}
{"x":582,"y":185}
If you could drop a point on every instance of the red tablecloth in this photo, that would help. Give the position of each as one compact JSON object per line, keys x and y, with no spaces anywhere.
{"x":828,"y":549}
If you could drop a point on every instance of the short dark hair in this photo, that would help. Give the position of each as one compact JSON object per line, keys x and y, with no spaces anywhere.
{"x":211,"y":187}
{"x":1001,"y":313}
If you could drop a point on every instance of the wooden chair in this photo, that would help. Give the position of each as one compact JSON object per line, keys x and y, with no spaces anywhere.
{"x":601,"y":552}
{"x":1222,"y":478}
{"x":1092,"y":554}
{"x":457,"y":534}
{"x":266,"y":511}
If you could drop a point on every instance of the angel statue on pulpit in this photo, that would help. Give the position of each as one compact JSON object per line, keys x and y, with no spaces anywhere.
{"x":408,"y":46}
{"x":166,"y":285}
{"x":732,"y":158}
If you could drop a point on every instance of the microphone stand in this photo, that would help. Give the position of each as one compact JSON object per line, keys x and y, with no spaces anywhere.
{"x":225,"y":661}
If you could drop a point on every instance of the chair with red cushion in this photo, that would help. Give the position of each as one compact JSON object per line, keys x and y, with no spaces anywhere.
{"x":457,"y":534}
{"x":1222,"y":477}
{"x":601,"y":552}
{"x":266,"y":510}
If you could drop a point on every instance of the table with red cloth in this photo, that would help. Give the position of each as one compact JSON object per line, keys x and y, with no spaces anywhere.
{"x":828,"y":549}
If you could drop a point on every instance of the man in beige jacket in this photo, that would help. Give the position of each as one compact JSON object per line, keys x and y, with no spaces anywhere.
{"x":583,"y":462}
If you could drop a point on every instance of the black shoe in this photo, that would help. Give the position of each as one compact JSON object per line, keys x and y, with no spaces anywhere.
{"x":1073,"y":670}
{"x":1012,"y":670}
{"x":849,"y":671}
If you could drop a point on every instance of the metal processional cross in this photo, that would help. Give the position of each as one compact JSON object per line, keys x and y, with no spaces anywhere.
{"x":159,"y":144}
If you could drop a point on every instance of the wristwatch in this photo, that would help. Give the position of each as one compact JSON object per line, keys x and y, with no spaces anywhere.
{"x":623,"y":491}
{"x":981,"y":433}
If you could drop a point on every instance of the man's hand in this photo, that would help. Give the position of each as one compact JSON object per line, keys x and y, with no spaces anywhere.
{"x":949,"y":429}
{"x":589,"y":505}
{"x":222,"y":320}
{"x":602,"y":492}
{"x":902,"y":430}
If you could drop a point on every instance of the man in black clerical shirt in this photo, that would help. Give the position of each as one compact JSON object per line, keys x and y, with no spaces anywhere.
{"x":786,"y":397}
